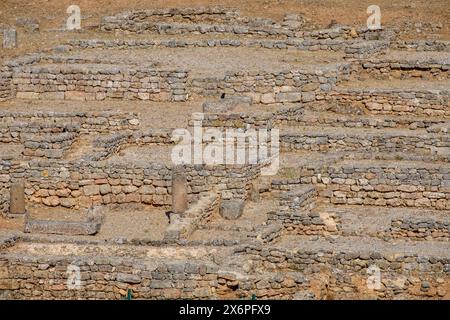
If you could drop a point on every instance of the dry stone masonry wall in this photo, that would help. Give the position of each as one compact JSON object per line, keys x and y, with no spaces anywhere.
{"x":364,"y":177}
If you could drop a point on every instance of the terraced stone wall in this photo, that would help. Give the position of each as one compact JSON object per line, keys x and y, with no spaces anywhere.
{"x":53,"y":82}
{"x":271,"y":87}
{"x":25,"y":276}
{"x":387,"y":185}
{"x":282,"y":44}
{"x":421,"y":45}
{"x":5,"y":83}
{"x":345,"y":274}
{"x":228,"y":21}
{"x":418,"y":229}
{"x":15,"y":124}
{"x":376,"y":142}
{"x":391,"y":101}
{"x":84,"y":183}
{"x":384,"y":69}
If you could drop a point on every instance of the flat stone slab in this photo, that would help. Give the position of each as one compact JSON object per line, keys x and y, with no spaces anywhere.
{"x":73,"y":228}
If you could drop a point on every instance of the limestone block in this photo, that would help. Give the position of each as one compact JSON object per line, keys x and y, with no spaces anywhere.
{"x":231,"y":209}
{"x":17,"y":198}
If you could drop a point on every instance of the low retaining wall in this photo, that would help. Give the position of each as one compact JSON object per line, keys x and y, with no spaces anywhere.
{"x":6,"y":91}
{"x":427,"y":143}
{"x":296,"y":213}
{"x":423,"y":186}
{"x":421,"y":45}
{"x":98,"y":82}
{"x":391,"y":101}
{"x":84,"y":183}
{"x":291,"y":43}
{"x":343,"y":273}
{"x":383,"y":68}
{"x":14,"y":124}
{"x":278,"y":87}
{"x":419,"y":229}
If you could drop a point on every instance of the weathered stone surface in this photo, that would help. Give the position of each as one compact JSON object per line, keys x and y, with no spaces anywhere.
{"x":231,"y":209}
{"x":254,"y":192}
{"x":179,"y":191}
{"x":17,"y":198}
{"x":61,"y":227}
{"x":128,"y":278}
{"x":9,"y":38}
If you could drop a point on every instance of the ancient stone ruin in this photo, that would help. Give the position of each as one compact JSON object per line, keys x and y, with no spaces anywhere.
{"x":355,"y":123}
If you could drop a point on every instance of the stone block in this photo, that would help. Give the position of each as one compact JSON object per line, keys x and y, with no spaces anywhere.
{"x":61,"y":227}
{"x":288,"y":97}
{"x":9,"y":38}
{"x":17,"y":198}
{"x":179,"y":191}
{"x":231,"y":209}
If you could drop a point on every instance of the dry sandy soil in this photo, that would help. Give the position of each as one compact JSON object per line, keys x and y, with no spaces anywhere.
{"x":51,"y":14}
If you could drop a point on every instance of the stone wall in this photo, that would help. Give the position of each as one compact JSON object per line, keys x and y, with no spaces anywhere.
{"x":28,"y":277}
{"x":242,"y":120}
{"x":228,"y":21}
{"x":200,"y":19}
{"x":282,"y":44}
{"x":391,"y":101}
{"x":363,"y":121}
{"x":366,"y":49}
{"x":419,"y":229}
{"x":5,"y":83}
{"x":426,"y":143}
{"x":50,"y":146}
{"x":421,"y":45}
{"x":383,"y":184}
{"x":274,"y":87}
{"x":343,"y":273}
{"x":385,"y":68}
{"x":99,"y":82}
{"x":296,"y":213}
{"x":40,"y":277}
{"x":85,"y":183}
{"x":15,"y":124}
{"x":106,"y":146}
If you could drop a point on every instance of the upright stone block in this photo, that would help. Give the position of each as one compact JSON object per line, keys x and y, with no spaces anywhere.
{"x":254,"y":192}
{"x":179,"y":190}
{"x":17,"y":198}
{"x":9,"y":38}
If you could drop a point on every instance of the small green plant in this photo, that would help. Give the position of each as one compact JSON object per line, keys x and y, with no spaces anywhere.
{"x":129,"y":295}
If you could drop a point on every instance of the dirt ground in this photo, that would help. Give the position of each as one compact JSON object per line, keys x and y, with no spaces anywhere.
{"x":119,"y":221}
{"x":219,"y":60}
{"x":51,"y":14}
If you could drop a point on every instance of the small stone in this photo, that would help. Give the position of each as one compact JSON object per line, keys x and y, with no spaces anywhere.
{"x":128,"y":278}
